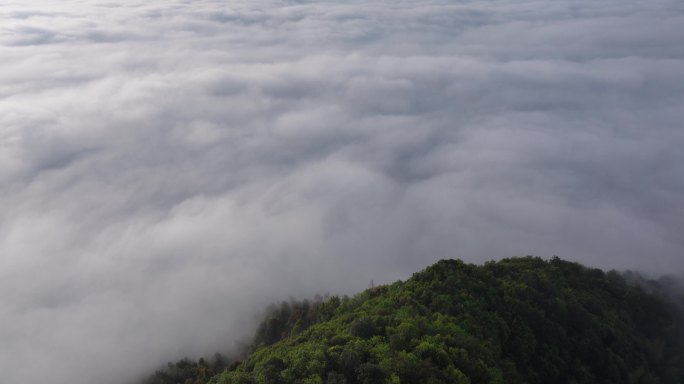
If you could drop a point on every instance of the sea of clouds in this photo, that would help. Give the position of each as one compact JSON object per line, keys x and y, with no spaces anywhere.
{"x":169,"y":167}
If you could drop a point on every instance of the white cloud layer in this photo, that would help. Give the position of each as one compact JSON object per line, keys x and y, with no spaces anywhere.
{"x":168,"y":167}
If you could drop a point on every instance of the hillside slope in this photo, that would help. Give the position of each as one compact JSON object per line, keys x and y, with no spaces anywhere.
{"x":519,"y":320}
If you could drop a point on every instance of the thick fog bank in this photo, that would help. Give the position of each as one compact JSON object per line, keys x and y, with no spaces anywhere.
{"x":167,"y":168}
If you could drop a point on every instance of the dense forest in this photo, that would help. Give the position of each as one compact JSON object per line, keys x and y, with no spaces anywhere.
{"x":518,"y":320}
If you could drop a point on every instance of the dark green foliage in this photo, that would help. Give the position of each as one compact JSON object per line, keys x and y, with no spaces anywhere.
{"x":291,"y":318}
{"x":188,"y":371}
{"x":520,"y":320}
{"x":364,"y":328}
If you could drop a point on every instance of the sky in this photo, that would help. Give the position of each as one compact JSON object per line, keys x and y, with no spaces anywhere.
{"x":168,"y":168}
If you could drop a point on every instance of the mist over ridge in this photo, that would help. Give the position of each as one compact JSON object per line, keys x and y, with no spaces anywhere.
{"x":169,"y":168}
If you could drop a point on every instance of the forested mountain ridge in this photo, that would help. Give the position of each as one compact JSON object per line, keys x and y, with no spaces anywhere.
{"x":518,"y":320}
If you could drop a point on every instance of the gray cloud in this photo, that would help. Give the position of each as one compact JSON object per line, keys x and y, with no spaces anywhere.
{"x":167,"y":169}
